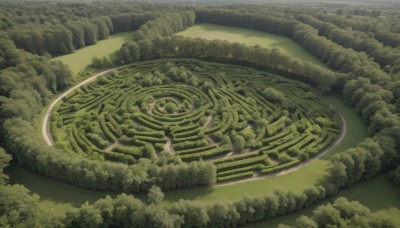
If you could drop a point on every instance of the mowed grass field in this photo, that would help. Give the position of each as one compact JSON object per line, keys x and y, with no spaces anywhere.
{"x":250,"y":37}
{"x":81,"y":58}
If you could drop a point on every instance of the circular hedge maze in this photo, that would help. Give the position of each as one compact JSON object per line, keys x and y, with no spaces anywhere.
{"x":245,"y":121}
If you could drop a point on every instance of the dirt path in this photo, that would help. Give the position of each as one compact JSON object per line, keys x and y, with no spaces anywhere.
{"x":111,"y":147}
{"x":257,"y":176}
{"x":45,"y":124}
{"x":168,"y":145}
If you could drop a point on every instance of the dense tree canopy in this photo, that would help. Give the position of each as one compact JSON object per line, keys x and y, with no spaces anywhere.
{"x":364,"y":69}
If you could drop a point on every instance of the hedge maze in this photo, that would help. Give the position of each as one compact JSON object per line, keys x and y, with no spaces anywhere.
{"x":245,"y":121}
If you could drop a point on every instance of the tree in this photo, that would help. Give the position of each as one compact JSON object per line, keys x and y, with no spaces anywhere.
{"x":158,"y":217}
{"x":78,"y":35}
{"x":194,"y":213}
{"x":394,"y":176}
{"x":102,"y":29}
{"x":222,"y":214}
{"x":4,"y":162}
{"x":155,"y":195}
{"x":305,"y":222}
{"x":89,"y":31}
{"x":86,"y":216}
{"x":327,"y":215}
{"x":129,"y":52}
{"x":21,"y":208}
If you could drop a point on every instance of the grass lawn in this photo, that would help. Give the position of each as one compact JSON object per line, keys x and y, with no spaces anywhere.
{"x":356,"y":130}
{"x":81,"y":58}
{"x":250,"y":37}
{"x":378,"y":194}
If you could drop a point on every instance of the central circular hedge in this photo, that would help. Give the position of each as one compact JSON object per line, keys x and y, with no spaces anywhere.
{"x":245,"y":121}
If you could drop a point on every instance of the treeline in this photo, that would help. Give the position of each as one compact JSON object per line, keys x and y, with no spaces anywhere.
{"x":385,"y":31}
{"x":387,"y":57}
{"x":394,"y":176}
{"x":223,"y":51}
{"x":363,"y":84}
{"x":343,"y":213}
{"x":344,"y":60}
{"x":50,"y":30}
{"x":19,"y":207}
{"x":165,"y":25}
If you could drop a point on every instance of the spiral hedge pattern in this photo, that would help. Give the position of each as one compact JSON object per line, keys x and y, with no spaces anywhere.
{"x":245,"y":121}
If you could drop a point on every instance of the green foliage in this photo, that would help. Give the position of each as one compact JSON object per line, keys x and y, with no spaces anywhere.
{"x":238,"y":144}
{"x":19,"y":207}
{"x":394,"y":176}
{"x":236,"y":176}
{"x":155,"y":195}
{"x":168,"y":109}
{"x":4,"y":161}
{"x":344,"y":213}
{"x":28,"y":81}
{"x":274,"y":96}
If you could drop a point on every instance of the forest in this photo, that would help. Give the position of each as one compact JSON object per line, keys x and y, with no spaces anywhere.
{"x":177,"y":113}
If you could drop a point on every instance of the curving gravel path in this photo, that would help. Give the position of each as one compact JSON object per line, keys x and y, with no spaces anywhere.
{"x":45,"y":124}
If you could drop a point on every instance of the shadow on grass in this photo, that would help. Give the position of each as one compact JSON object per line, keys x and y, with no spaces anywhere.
{"x":50,"y":190}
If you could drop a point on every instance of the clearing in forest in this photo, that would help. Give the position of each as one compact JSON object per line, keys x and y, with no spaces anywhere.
{"x":250,"y":37}
{"x":82,"y":58}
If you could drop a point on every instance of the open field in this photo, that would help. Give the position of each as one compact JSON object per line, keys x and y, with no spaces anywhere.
{"x":250,"y":37}
{"x":81,"y":58}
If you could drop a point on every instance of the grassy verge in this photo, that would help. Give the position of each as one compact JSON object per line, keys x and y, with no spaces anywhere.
{"x":356,"y":129}
{"x":250,"y":37}
{"x":78,"y":60}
